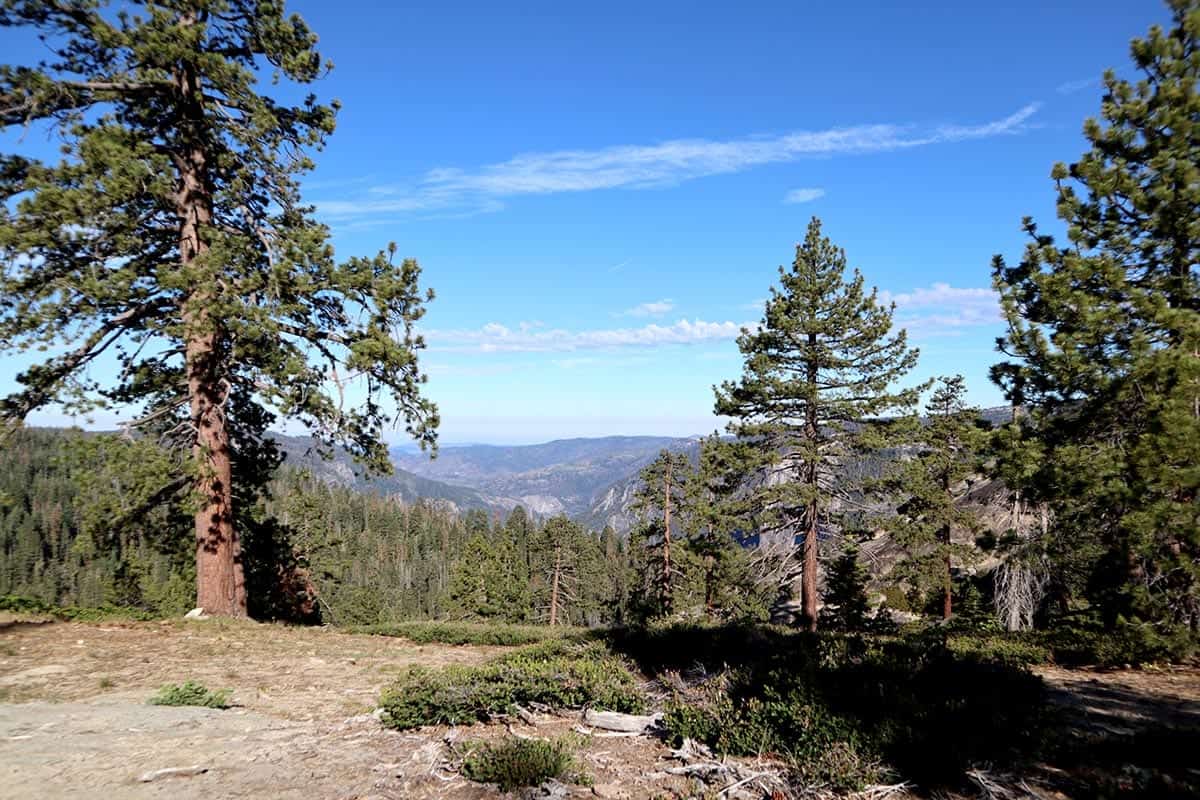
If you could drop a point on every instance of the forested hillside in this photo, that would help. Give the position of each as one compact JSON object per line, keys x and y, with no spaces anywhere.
{"x":568,"y":476}
{"x":321,"y":549}
{"x":336,"y":466}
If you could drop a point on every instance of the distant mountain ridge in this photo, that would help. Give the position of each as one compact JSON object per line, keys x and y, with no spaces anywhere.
{"x":592,"y":480}
{"x":569,"y":476}
{"x":341,"y":469}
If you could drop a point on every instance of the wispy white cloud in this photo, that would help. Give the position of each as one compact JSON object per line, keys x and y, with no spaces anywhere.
{"x":496,"y":338}
{"x":649,"y":166}
{"x":940,"y":309}
{"x":1071,"y":87}
{"x":803,"y":195}
{"x":944,"y":310}
{"x":653,"y":309}
{"x":593,"y":361}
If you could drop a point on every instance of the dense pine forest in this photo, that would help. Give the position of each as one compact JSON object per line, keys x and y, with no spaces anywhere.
{"x":353,"y":558}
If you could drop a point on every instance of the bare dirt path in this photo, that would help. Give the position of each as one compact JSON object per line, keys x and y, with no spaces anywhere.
{"x":74,"y":720}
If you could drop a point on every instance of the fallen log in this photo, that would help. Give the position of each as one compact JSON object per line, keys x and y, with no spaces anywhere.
{"x":172,"y":772}
{"x":622,"y":723}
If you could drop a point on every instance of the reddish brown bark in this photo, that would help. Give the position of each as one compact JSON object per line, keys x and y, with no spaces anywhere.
{"x":808,"y":577}
{"x":947,"y":601}
{"x":554,"y":585}
{"x":220,"y":584}
{"x":710,"y":586}
{"x":667,"y":594}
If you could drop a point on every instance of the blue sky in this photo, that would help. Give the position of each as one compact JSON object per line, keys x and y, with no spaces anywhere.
{"x":600,"y":194}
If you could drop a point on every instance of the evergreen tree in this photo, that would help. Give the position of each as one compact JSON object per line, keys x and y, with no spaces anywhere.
{"x":1105,"y":339}
{"x":927,"y":487}
{"x":556,"y":557}
{"x":823,"y":362}
{"x":721,"y":518}
{"x":171,"y":235}
{"x":660,"y":501}
{"x":512,"y":551}
{"x":846,"y":592}
{"x":477,"y":586}
{"x":617,"y":575}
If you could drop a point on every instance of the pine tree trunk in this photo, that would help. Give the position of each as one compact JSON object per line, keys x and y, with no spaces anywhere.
{"x":666,"y":570}
{"x":808,"y":586}
{"x":710,"y":586}
{"x":947,"y":602}
{"x":220,"y":584}
{"x":554,"y":586}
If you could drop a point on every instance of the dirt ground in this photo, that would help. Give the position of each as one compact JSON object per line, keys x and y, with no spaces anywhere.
{"x":74,"y":720}
{"x":1128,"y":702}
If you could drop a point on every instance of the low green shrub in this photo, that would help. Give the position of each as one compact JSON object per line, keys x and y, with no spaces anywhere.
{"x":895,"y":598}
{"x":787,"y":720}
{"x":1128,"y":643}
{"x":469,"y":632}
{"x":102,"y":613}
{"x":191,"y":694}
{"x":1074,"y":646}
{"x":19,"y":604}
{"x":998,"y":648}
{"x":513,"y":763}
{"x":845,"y":709}
{"x":560,"y":674}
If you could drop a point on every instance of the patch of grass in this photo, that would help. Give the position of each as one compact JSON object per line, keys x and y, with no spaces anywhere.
{"x":107,"y":682}
{"x":469,"y":633}
{"x":191,"y":694}
{"x":514,"y":763}
{"x":560,"y":674}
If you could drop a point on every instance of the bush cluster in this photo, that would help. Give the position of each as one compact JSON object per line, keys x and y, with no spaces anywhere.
{"x":560,"y":674}
{"x":513,"y":763}
{"x":1126,"y":644}
{"x":784,"y":719}
{"x":191,"y":694}
{"x":101,"y":613}
{"x":845,"y":709}
{"x":998,"y":648}
{"x":469,"y":632}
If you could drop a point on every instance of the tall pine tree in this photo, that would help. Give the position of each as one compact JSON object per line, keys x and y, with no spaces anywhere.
{"x":168,"y":249}
{"x":823,"y":363}
{"x":1105,"y":338}
{"x":927,"y":487}
{"x":661,"y":501}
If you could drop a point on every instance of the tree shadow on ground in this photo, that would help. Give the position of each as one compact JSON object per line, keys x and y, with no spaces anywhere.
{"x":932,"y":714}
{"x":1123,"y":740}
{"x":927,"y":713}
